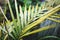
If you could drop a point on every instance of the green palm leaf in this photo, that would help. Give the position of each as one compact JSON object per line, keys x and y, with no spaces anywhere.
{"x":21,"y":26}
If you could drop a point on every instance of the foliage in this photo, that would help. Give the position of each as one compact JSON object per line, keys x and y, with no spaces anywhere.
{"x":25,"y":21}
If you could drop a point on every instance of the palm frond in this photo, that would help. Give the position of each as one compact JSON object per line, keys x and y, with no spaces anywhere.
{"x":54,"y":20}
{"x":10,"y":9}
{"x":49,"y":13}
{"x":21,"y":26}
{"x":3,"y":14}
{"x":50,"y":37}
{"x":39,"y":30}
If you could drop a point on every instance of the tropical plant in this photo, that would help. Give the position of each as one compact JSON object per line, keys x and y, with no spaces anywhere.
{"x":25,"y":21}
